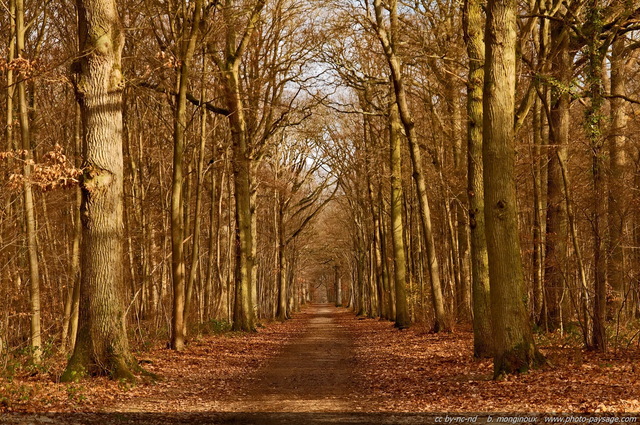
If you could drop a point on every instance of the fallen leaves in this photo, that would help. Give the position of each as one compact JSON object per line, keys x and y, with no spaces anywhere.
{"x":390,"y":370}
{"x":208,"y":369}
{"x":413,"y":371}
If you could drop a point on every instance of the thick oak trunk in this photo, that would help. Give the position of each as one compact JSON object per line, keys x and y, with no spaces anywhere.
{"x":515,"y":350}
{"x":101,"y":347}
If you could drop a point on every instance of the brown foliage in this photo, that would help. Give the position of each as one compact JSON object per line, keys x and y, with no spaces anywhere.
{"x":54,"y":171}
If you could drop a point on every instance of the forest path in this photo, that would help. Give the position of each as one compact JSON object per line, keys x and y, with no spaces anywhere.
{"x":312,"y":373}
{"x":307,"y":380}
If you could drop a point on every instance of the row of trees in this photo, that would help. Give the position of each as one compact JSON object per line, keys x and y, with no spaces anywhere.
{"x":555,"y":246}
{"x":214,"y":233}
{"x":236,"y":156}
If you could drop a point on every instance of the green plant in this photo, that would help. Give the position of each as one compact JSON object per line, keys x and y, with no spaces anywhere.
{"x":214,"y":327}
{"x":74,"y":392}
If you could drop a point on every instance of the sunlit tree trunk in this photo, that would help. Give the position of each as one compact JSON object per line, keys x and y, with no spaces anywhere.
{"x":514,"y":349}
{"x":187,"y":48}
{"x":243,"y":317}
{"x":442,"y":321}
{"x":618,"y":177}
{"x":397,"y":229}
{"x":28,"y":202}
{"x":481,"y":300}
{"x":101,"y":346}
{"x":229,"y":66}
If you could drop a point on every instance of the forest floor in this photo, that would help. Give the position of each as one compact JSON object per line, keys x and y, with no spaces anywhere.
{"x":327,"y":366}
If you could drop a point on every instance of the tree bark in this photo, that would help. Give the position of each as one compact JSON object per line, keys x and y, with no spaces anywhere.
{"x":28,"y":202}
{"x":514,"y":347}
{"x":481,"y":300}
{"x":187,"y":48}
{"x":397,"y":229}
{"x":101,"y":346}
{"x":442,"y":321}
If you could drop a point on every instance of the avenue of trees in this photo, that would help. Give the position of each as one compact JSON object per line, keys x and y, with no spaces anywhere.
{"x":177,"y":167}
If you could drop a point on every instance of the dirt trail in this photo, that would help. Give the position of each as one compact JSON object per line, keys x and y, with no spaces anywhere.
{"x":312,"y":374}
{"x":308,"y":380}
{"x":325,"y":366}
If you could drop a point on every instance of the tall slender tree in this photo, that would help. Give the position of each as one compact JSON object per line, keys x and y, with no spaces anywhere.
{"x":28,"y":202}
{"x":473,"y":25}
{"x":187,"y":42}
{"x":388,"y":39}
{"x":556,"y":223}
{"x":397,"y":229}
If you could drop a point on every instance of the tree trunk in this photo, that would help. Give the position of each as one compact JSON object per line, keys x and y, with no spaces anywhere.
{"x":585,"y":313}
{"x":214,"y":281}
{"x":243,"y":318}
{"x":618,"y":178}
{"x":187,"y":48}
{"x":461,"y":247}
{"x":389,"y":308}
{"x":101,"y":346}
{"x":397,"y":229}
{"x":593,"y":120}
{"x":481,"y":300}
{"x":538,"y":244}
{"x":28,"y":202}
{"x":387,"y":40}
{"x":71,"y":326}
{"x":515,"y":350}
{"x":338,"y":282}
{"x":243,"y":310}
{"x":253,"y":202}
{"x":195,"y":251}
{"x":281,"y":280}
{"x":556,"y":228}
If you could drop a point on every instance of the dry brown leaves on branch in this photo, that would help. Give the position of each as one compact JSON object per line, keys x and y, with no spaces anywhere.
{"x":22,"y":66}
{"x":54,"y":171}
